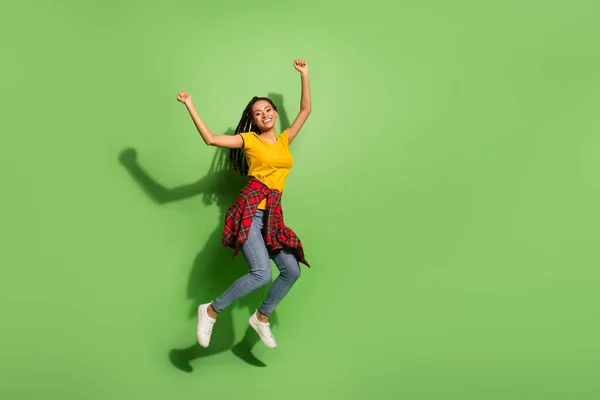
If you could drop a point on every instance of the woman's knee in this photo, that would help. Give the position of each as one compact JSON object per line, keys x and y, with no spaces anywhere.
{"x":293,"y":272}
{"x":289,"y":267}
{"x":262,"y":275}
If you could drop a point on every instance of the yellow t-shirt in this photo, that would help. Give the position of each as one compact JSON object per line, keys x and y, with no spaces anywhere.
{"x":270,"y":163}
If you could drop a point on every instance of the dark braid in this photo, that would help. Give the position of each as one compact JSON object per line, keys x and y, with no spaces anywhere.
{"x":237,"y":159}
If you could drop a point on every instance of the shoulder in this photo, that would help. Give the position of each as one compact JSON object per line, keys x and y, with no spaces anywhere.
{"x":249,"y":138}
{"x":285,"y":139}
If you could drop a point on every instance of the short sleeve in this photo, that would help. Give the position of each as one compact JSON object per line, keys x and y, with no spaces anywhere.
{"x":285,"y":139}
{"x":249,"y":139}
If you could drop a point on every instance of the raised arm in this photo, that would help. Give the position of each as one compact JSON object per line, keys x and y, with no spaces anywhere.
{"x":226,"y":141}
{"x":305,"y":108}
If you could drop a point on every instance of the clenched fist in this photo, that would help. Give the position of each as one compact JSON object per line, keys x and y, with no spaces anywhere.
{"x":301,"y":66}
{"x":184,"y":97}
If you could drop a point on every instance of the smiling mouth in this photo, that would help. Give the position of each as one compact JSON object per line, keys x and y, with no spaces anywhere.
{"x":266,"y":121}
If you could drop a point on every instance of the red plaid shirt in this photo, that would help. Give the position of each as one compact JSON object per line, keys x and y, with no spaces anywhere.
{"x":239,"y":216}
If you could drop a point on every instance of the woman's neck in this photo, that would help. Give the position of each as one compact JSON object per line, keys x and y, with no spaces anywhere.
{"x":270,"y":135}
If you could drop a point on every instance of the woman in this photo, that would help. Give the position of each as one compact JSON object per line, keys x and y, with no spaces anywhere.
{"x":254,"y":223}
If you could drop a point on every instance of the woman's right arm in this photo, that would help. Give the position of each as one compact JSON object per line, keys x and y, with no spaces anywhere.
{"x":226,"y":141}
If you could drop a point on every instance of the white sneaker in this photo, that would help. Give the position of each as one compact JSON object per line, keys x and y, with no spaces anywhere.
{"x":264,"y":331}
{"x":205,"y":325}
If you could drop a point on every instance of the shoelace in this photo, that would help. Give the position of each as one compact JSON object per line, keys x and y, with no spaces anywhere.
{"x":208,"y":329}
{"x":266,"y":330}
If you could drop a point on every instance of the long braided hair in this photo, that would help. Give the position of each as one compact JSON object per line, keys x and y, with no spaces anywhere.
{"x":237,"y":159}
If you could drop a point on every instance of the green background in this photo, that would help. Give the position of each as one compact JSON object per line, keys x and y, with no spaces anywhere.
{"x":445,"y":188}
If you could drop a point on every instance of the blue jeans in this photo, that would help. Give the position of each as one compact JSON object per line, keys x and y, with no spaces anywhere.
{"x":258,"y":257}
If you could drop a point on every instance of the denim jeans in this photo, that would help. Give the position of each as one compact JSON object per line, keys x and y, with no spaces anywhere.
{"x":258,"y":257}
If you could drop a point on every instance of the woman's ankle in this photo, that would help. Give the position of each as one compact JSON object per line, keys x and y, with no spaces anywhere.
{"x":211,"y":311}
{"x":262,"y":317}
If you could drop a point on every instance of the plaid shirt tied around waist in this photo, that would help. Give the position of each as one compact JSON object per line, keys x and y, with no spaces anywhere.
{"x":239,"y":216}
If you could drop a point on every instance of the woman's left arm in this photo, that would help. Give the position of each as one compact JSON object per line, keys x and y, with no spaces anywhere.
{"x":305,"y":107}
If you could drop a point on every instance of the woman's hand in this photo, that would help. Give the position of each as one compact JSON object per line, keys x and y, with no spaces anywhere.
{"x":301,"y":66}
{"x":185,"y":98}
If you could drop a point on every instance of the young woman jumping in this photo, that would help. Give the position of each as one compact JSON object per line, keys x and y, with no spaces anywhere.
{"x":254,"y":223}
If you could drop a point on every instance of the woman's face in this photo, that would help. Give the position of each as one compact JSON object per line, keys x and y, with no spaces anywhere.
{"x":264,"y":115}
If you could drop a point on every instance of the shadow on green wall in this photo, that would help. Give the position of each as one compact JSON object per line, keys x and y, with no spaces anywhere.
{"x":213,"y":269}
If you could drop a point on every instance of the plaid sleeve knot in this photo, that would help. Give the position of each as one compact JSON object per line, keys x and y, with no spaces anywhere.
{"x":240,"y":214}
